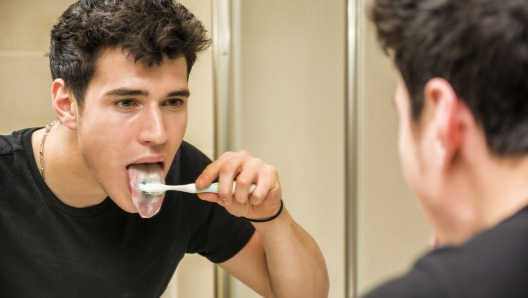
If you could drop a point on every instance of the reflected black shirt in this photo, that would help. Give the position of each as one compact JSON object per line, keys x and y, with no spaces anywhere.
{"x":493,"y":264}
{"x":50,"y":249}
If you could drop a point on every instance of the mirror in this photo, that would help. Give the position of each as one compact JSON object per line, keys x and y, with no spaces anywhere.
{"x":301,"y":84}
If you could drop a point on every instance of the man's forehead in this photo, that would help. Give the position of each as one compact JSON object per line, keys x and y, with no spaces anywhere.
{"x":118,"y":54}
{"x":119,"y":75}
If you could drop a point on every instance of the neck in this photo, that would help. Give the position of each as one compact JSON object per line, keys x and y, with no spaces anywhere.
{"x":66,"y":173}
{"x":504,"y":189}
{"x":486,"y":193}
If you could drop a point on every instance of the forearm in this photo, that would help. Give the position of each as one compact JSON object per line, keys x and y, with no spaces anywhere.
{"x":295,"y":263}
{"x":281,"y":259}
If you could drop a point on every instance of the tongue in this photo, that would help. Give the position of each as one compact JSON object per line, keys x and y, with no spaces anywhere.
{"x":148,"y":205}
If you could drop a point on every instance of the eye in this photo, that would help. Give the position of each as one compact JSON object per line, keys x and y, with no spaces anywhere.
{"x":125,"y":103}
{"x":175,"y":102}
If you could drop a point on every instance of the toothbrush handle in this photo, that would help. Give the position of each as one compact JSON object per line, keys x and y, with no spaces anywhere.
{"x":214,"y":188}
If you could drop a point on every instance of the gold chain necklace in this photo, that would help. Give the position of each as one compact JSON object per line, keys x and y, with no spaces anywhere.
{"x":41,"y":151}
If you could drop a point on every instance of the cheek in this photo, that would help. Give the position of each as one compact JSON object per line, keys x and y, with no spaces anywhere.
{"x":101,"y":142}
{"x":409,"y":158}
{"x":181,"y":124}
{"x":94,"y":133}
{"x":405,"y":142}
{"x":404,"y":152}
{"x":177,"y":128}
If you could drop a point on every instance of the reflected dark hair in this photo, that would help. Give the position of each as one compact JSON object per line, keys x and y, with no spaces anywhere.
{"x":144,"y":29}
{"x":479,"y":46}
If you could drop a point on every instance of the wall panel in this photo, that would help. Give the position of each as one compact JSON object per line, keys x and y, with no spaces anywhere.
{"x":292,"y":92}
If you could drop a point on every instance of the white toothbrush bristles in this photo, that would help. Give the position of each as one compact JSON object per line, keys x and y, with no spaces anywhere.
{"x":152,"y":188}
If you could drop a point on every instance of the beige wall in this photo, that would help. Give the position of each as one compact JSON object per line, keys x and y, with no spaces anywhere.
{"x":24,"y":72}
{"x":292,"y":112}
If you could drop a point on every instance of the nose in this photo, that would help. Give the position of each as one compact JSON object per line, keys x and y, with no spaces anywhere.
{"x":153,"y":127}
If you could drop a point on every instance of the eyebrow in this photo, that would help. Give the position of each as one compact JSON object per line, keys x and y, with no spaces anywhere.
{"x":184,"y":93}
{"x":133,"y":92}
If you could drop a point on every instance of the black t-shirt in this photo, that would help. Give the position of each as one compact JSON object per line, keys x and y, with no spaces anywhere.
{"x":49,"y":249}
{"x":493,"y":264}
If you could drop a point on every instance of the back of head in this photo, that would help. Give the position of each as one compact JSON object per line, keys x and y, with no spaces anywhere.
{"x":479,"y":46}
{"x":146,"y":30}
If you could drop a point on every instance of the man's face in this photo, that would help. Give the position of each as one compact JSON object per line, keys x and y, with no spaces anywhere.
{"x":132,"y":114}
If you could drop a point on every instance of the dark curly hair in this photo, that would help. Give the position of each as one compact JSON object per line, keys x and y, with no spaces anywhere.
{"x":479,"y":46}
{"x":144,"y":29}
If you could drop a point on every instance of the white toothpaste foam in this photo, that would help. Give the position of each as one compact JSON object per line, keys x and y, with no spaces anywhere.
{"x":147,"y":205}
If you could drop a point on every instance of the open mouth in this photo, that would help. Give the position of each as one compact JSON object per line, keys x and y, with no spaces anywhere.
{"x":147,"y":204}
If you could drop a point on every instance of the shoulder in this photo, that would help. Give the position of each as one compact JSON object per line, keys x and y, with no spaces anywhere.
{"x":500,"y":248}
{"x":192,"y":156}
{"x":495,"y":258}
{"x":494,"y":263}
{"x":11,"y":143}
{"x":188,"y":164}
{"x":420,"y":282}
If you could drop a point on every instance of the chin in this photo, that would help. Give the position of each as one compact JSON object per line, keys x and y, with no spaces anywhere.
{"x":129,"y":209}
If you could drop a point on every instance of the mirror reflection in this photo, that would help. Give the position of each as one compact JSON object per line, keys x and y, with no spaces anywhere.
{"x":274,"y":83}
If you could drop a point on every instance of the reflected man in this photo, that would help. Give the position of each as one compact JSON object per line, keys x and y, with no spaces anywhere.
{"x":462,"y":104}
{"x":69,"y":199}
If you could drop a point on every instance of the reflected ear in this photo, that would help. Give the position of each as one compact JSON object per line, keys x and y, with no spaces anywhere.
{"x":447,"y":126}
{"x":64,"y":104}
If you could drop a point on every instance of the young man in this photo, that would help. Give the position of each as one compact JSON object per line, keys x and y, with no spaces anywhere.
{"x":463,"y":105}
{"x":69,"y":193}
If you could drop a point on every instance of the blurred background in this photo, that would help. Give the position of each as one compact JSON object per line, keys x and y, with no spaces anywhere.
{"x":301,"y":84}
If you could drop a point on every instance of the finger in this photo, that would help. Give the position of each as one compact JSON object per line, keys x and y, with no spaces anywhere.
{"x":258,"y":195}
{"x":248,"y":176}
{"x":229,"y":171}
{"x":210,"y":197}
{"x":243,"y":183}
{"x":212,"y":170}
{"x":267,"y":181}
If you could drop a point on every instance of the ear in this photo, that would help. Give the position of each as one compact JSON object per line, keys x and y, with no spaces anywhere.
{"x":64,"y":104}
{"x":447,"y":132}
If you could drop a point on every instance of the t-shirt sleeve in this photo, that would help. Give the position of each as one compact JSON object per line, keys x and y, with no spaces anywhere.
{"x":221,"y":235}
{"x":418,"y":283}
{"x":214,"y":232}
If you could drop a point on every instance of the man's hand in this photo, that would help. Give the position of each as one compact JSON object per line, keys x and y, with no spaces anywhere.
{"x":281,"y":259}
{"x":245,"y":169}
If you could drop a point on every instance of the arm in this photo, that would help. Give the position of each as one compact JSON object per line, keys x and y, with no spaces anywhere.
{"x":281,"y":259}
{"x":284,"y":262}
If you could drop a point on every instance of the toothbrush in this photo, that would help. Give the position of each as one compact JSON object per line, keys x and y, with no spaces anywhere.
{"x":156,"y":188}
